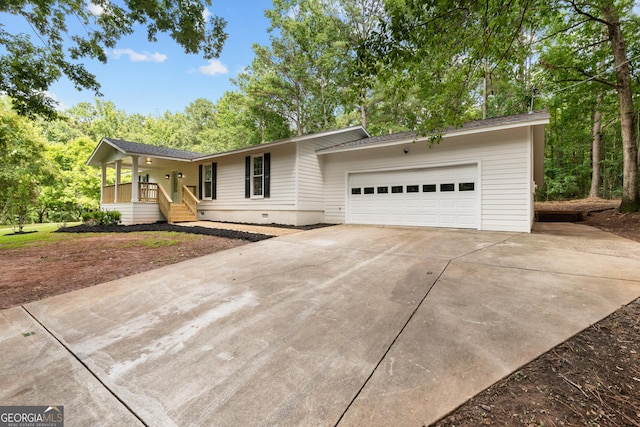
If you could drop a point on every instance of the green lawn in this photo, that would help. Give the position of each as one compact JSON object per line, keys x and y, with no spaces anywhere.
{"x":33,"y":233}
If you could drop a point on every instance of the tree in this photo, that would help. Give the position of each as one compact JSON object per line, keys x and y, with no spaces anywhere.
{"x":300,"y":74}
{"x":498,"y":39}
{"x":28,"y":68}
{"x":630,"y":194}
{"x":597,"y":26}
{"x":22,"y":167}
{"x":76,"y":187}
{"x":361,"y":18}
{"x":448,"y":70}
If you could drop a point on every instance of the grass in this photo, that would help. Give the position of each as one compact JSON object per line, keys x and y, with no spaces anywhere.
{"x":40,"y":234}
{"x":35,"y":233}
{"x":159,"y":239}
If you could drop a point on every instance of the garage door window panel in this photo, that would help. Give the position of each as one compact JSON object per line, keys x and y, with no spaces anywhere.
{"x":429,"y":188}
{"x":447,"y":187}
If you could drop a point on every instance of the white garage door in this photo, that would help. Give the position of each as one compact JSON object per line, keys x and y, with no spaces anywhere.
{"x":436,"y":197}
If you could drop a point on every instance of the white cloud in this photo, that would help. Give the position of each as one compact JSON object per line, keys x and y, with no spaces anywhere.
{"x":214,"y":68}
{"x":139,"y":57}
{"x":60,"y":106}
{"x":206,"y":14}
{"x":95,"y":9}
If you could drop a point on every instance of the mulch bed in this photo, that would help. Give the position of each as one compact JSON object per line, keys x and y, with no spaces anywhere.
{"x":205,"y":231}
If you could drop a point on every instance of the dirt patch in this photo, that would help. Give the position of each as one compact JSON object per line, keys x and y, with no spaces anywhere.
{"x":593,"y":379}
{"x":41,"y":270}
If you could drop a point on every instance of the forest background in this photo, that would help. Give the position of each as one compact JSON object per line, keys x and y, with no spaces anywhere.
{"x":390,"y":65}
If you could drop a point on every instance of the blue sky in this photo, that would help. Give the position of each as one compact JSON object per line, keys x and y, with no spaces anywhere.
{"x":151,"y":78}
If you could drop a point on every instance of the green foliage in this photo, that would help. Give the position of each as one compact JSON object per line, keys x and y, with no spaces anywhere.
{"x":28,"y":70}
{"x":23,"y":170}
{"x":393,"y":66}
{"x":33,"y":235}
{"x":101,"y":218}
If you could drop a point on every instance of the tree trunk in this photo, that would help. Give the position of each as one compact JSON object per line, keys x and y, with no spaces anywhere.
{"x":485,"y":93}
{"x":630,"y":194}
{"x":363,"y":109}
{"x":596,"y":150}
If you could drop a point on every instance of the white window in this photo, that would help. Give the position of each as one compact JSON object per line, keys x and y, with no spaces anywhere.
{"x":257,"y":176}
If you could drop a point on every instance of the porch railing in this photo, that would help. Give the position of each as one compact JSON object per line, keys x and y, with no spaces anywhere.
{"x":147,"y":193}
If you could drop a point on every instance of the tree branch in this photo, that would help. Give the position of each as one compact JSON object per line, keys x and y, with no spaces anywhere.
{"x":587,"y":14}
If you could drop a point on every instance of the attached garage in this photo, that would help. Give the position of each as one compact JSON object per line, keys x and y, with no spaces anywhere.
{"x":482,"y":176}
{"x":436,"y":197}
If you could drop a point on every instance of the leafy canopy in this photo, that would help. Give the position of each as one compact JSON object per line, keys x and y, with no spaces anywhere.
{"x":66,"y":31}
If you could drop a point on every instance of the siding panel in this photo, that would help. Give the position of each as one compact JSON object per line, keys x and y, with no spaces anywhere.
{"x":505,"y":175}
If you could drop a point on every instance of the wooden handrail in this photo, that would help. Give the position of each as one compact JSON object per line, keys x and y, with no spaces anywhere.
{"x":164,"y":201}
{"x":190,"y":200}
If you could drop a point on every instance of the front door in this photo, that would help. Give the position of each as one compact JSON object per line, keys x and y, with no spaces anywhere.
{"x":175,"y":193}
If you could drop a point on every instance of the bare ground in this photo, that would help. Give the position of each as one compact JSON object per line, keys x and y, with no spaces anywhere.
{"x":593,"y":379}
{"x":76,"y":261}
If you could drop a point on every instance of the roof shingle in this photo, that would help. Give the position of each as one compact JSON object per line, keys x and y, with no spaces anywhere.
{"x":152,"y":150}
{"x":476,"y":124}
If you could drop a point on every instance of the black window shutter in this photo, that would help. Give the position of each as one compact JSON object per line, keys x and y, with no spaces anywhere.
{"x":247,"y":177}
{"x":267,"y":174}
{"x":214,"y":180}
{"x":200,"y":182}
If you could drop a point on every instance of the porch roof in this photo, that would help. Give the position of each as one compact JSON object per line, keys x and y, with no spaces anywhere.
{"x":110,"y":150}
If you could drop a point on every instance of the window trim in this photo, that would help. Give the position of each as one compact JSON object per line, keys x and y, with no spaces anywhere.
{"x":253,"y":176}
{"x":205,"y":182}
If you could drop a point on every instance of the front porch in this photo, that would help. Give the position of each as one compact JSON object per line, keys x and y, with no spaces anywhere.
{"x":150,"y":183}
{"x":149,"y":202}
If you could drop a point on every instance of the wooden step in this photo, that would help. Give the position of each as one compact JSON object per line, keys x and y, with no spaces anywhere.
{"x":180,"y":213}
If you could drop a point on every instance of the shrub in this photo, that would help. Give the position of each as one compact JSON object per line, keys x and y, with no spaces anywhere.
{"x":98,"y":218}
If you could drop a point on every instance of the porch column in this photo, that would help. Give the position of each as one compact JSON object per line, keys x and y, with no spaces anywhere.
{"x":134,"y":179}
{"x":118,"y":170}
{"x":103,"y":182}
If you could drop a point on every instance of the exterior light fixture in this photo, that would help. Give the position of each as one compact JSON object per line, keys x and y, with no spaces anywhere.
{"x":167,"y":176}
{"x":406,"y":151}
{"x":148,"y":161}
{"x":180,"y":175}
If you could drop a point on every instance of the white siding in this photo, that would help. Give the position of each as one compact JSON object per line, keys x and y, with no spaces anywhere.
{"x":310,"y":177}
{"x":504,"y":163}
{"x":136,"y":213}
{"x":230,"y":203}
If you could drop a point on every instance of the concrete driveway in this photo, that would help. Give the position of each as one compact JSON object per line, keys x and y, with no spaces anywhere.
{"x":349,"y":324}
